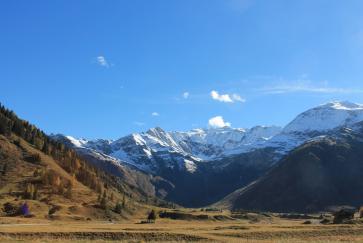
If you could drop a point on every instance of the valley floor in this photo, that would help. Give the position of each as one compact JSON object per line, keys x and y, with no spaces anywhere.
{"x":166,"y":230}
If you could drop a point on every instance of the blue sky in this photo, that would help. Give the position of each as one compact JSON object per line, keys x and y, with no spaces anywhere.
{"x":108,"y":68}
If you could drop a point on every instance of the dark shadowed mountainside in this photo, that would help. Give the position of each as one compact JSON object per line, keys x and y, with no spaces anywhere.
{"x":317,"y":175}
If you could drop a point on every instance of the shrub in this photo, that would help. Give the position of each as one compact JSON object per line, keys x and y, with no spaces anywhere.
{"x":11,"y":209}
{"x":152,"y":216}
{"x":54,"y":209}
{"x":343,"y":216}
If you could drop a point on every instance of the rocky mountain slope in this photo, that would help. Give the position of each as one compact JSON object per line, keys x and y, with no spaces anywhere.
{"x":142,"y":150}
{"x":187,"y":149}
{"x":202,"y":166}
{"x":323,"y":173}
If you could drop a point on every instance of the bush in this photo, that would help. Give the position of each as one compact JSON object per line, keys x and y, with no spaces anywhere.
{"x":152,"y":216}
{"x":54,"y":209}
{"x":17,"y":142}
{"x":325,"y":221}
{"x":343,"y":216}
{"x":11,"y":209}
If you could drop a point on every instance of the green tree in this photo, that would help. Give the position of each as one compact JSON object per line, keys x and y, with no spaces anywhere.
{"x":118,"y":207}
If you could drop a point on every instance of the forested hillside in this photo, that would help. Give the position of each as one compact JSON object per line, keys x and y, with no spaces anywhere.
{"x":50,"y":176}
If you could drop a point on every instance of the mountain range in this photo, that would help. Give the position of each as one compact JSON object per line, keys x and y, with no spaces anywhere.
{"x":203,"y":166}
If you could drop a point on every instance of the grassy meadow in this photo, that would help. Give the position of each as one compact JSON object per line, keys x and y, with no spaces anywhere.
{"x":251,"y":227}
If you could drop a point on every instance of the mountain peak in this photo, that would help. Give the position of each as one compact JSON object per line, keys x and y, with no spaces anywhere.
{"x":343,"y":105}
{"x":327,"y":116}
{"x":155,"y":130}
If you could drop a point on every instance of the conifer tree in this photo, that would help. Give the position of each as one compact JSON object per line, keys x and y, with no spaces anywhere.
{"x":35,"y":193}
{"x":69,"y":190}
{"x":4,"y":170}
{"x":123,"y":201}
{"x":118,"y":208}
{"x":103,"y":202}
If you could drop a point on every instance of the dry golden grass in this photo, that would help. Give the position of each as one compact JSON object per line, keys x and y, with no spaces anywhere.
{"x":81,"y":206}
{"x":166,"y":230}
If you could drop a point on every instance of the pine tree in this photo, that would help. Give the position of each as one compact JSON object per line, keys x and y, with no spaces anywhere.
{"x":69,"y":190}
{"x":103,"y":202}
{"x":118,"y":208}
{"x":5,"y":168}
{"x":35,"y":193}
{"x":123,"y":201}
{"x":29,"y":191}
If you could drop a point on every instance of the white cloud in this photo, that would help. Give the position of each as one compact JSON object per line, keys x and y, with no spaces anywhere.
{"x":101,"y":60}
{"x":186,"y":95}
{"x":236,"y":97}
{"x":221,"y":97}
{"x":226,"y":97}
{"x":306,"y":86}
{"x":218,"y":122}
{"x":155,"y":114}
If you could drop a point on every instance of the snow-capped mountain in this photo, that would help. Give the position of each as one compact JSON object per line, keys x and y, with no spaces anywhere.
{"x":326,"y":117}
{"x":198,"y":167}
{"x":315,"y":123}
{"x":156,"y":148}
{"x":145,"y":150}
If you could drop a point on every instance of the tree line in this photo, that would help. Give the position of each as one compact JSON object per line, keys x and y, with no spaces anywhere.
{"x":66,"y":157}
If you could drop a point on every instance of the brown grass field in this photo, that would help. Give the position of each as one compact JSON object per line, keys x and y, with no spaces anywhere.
{"x":263,"y":230}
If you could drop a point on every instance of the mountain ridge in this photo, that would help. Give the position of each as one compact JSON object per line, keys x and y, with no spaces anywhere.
{"x":212,"y":163}
{"x":198,"y":145}
{"x":318,"y":175}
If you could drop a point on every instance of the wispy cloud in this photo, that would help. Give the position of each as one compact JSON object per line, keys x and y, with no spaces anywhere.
{"x":139,"y":124}
{"x":237,"y":97}
{"x":218,"y":122}
{"x":227,"y":98}
{"x":155,"y":114}
{"x":186,"y":95}
{"x":101,"y":60}
{"x":307,"y":86}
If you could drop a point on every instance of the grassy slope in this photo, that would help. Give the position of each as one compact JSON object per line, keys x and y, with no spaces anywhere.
{"x":20,"y":172}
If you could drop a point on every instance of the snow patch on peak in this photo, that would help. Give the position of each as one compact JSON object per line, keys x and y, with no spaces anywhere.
{"x":77,"y":142}
{"x":344,"y":105}
{"x":326,"y":117}
{"x":190,"y":165}
{"x":138,"y":139}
